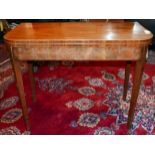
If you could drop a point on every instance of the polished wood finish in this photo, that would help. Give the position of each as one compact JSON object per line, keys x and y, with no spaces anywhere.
{"x":126,"y":80}
{"x":136,"y":85}
{"x":92,"y":41}
{"x":77,"y":32}
{"x":80,"y":41}
{"x":20,"y":87}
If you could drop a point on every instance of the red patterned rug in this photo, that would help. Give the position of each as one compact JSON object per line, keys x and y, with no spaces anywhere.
{"x":80,"y":98}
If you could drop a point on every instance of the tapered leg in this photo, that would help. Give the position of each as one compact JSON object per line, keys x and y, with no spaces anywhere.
{"x":32,"y":81}
{"x":20,"y":87}
{"x":136,"y":86}
{"x":126,"y":80}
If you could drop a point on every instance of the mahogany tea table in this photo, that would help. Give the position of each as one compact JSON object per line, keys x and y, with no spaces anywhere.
{"x":79,"y":41}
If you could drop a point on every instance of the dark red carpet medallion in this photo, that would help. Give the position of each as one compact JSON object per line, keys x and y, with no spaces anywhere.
{"x":80,"y":98}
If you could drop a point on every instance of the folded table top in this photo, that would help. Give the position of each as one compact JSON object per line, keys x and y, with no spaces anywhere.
{"x":78,"y":33}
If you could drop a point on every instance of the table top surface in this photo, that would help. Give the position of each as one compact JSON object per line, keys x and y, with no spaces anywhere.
{"x":78,"y":31}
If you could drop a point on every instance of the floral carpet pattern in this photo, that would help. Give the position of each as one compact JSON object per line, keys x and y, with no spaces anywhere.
{"x":80,"y":98}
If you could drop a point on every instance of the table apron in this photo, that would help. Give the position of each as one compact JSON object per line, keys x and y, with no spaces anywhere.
{"x":78,"y":53}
